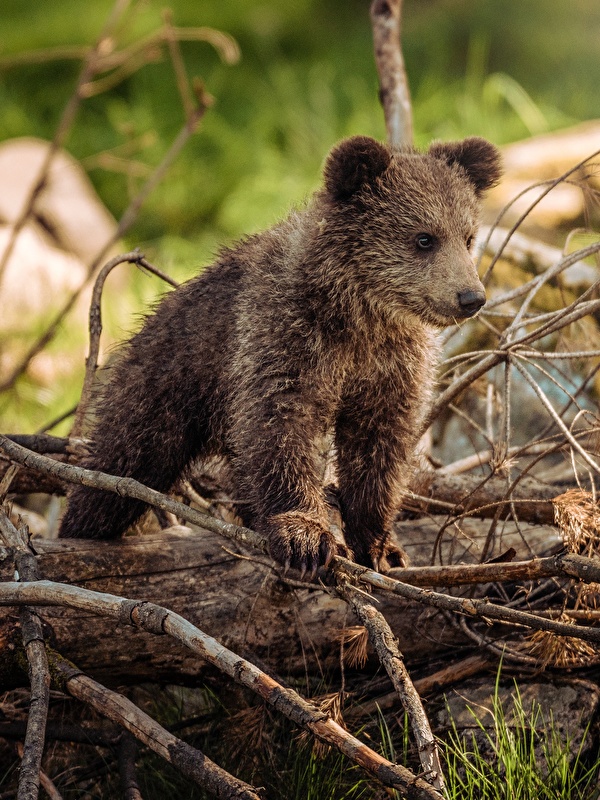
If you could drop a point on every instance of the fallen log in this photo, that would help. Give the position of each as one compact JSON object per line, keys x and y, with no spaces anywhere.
{"x":473,"y":495}
{"x":239,"y":598}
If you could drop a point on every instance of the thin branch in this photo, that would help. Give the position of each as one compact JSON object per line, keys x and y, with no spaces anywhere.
{"x":386,"y":19}
{"x":392,"y":660}
{"x":452,"y":673}
{"x":45,"y":781}
{"x":549,"y":186}
{"x":483,"y":457}
{"x":7,"y":480}
{"x":550,"y":273}
{"x":39,"y":679}
{"x":553,"y":413}
{"x":95,"y":329}
{"x":37,"y":665}
{"x":45,"y":443}
{"x":181,"y":78}
{"x":567,"y":565}
{"x":130,"y":488}
{"x":127,"y":772}
{"x":471,"y":607}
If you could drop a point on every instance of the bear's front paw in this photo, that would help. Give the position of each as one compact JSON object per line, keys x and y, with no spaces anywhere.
{"x":300,"y":541}
{"x":383,"y":556}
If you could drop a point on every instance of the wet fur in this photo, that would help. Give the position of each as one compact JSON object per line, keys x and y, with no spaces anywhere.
{"x":326,"y":322}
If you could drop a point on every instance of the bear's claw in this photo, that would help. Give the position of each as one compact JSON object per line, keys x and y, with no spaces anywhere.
{"x":300,"y":541}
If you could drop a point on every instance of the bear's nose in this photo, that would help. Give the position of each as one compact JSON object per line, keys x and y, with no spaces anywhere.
{"x":470,"y":302}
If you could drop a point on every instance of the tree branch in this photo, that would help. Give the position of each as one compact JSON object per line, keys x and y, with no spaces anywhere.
{"x":95,"y":329}
{"x":392,"y":660}
{"x":37,"y":665}
{"x":157,"y":620}
{"x":186,"y":759}
{"x":394,"y":93}
{"x":472,"y":607}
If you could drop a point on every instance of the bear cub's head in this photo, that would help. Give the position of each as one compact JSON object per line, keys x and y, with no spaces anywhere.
{"x":413,"y":218}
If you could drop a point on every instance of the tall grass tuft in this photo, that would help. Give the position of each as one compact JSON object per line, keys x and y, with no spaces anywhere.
{"x":522,"y":755}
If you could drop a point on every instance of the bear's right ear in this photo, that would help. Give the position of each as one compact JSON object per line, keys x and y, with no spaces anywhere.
{"x":354,"y":163}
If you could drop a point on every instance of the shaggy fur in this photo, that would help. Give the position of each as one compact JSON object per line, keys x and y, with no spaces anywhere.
{"x":326,"y":322}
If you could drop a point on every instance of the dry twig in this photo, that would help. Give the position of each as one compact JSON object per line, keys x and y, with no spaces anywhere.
{"x":394,"y":93}
{"x":584,"y":568}
{"x":37,"y":664}
{"x":392,"y":660}
{"x":95,"y":329}
{"x":188,"y":760}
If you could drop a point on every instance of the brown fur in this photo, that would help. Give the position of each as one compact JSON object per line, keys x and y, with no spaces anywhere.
{"x":323,"y":323}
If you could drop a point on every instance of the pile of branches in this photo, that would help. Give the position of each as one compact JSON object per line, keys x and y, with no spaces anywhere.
{"x":513,"y":337}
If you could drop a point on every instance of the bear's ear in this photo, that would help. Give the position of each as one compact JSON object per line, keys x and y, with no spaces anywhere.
{"x":354,"y":163}
{"x":479,"y":158}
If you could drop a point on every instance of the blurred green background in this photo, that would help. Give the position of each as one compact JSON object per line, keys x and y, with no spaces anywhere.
{"x":504,"y":69}
{"x":501,"y":68}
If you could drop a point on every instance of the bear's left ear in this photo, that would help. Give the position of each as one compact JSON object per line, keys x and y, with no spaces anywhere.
{"x":354,"y":163}
{"x":479,"y":158}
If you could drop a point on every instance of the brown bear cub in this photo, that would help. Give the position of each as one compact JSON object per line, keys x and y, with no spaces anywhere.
{"x":324,"y":323}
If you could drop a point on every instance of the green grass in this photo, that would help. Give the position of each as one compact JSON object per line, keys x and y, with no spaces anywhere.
{"x":511,"y":752}
{"x":520,"y":756}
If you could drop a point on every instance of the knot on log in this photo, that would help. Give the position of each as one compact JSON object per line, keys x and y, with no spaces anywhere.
{"x":144,"y":615}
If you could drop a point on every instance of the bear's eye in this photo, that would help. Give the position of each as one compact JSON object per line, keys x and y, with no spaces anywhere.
{"x":425,"y":241}
{"x":469,"y":242}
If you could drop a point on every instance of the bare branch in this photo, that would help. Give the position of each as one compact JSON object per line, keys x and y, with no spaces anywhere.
{"x":394,"y":93}
{"x":471,"y":607}
{"x":557,"y":419}
{"x":392,"y":660}
{"x":37,"y":665}
{"x":188,"y":760}
{"x":158,"y":620}
{"x":127,"y":772}
{"x":549,"y":186}
{"x":95,"y":329}
{"x":129,"y":487}
{"x":568,"y":565}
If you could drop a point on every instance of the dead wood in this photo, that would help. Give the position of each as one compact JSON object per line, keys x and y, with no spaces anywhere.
{"x":127,"y":771}
{"x":37,"y":665}
{"x":438,"y":491}
{"x":453,"y":673}
{"x":158,"y":620}
{"x":475,"y":607}
{"x":388,"y":652}
{"x":95,"y":329}
{"x":386,"y":20}
{"x":44,"y":780}
{"x":189,"y":761}
{"x":465,"y":495}
{"x":241,"y":601}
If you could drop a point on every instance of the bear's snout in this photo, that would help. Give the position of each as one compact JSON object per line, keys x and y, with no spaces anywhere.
{"x":470,"y":302}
